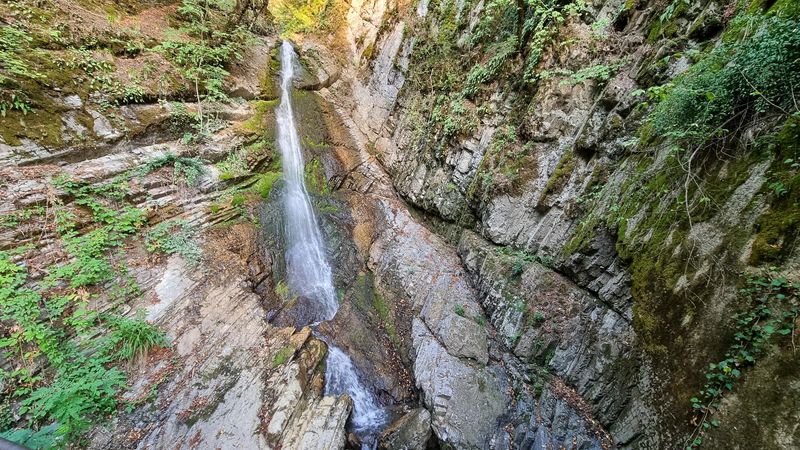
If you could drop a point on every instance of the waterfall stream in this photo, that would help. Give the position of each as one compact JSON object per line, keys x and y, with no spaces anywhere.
{"x":308,"y":272}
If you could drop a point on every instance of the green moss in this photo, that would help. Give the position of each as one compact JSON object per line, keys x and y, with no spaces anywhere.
{"x":368,"y":300}
{"x":42,"y":126}
{"x":558,"y":179}
{"x":666,"y":26}
{"x":316,"y":182}
{"x":368,"y":52}
{"x":265,"y":183}
{"x":264,"y":115}
{"x":784,"y":8}
{"x":779,"y":227}
{"x":282,"y":356}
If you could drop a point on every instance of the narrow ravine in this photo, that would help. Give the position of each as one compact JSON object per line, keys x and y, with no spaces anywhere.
{"x":307,"y":269}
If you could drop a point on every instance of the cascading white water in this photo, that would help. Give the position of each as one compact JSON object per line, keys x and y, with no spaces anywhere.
{"x":307,"y":269}
{"x":308,"y":272}
{"x":341,"y":377}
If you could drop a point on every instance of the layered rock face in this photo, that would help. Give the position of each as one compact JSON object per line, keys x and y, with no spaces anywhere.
{"x":521,"y":260}
{"x":602,"y":299}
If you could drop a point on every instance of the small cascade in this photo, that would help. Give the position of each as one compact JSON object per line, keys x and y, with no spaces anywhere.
{"x":308,"y":272}
{"x":341,"y":377}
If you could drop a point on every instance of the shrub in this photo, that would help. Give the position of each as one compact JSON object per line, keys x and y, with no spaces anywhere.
{"x":735,"y":82}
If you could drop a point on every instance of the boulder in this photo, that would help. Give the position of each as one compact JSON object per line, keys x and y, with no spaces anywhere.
{"x":410,"y":432}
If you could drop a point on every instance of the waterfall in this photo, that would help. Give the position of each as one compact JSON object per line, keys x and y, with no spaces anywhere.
{"x":341,"y":377}
{"x":308,"y":271}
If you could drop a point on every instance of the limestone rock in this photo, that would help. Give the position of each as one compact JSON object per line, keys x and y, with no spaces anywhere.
{"x":410,"y":432}
{"x":321,"y":425}
{"x":466,"y":400}
{"x":103,"y":128}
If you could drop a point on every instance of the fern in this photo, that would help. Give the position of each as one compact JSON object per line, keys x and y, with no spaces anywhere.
{"x":81,"y":392}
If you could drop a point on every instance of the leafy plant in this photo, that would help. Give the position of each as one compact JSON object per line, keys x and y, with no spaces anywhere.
{"x":45,"y":438}
{"x":203,"y":55}
{"x":300,"y":16}
{"x":50,"y":320}
{"x":774,"y":305}
{"x":601,"y":72}
{"x":14,"y":45}
{"x":481,"y":74}
{"x":174,"y":236}
{"x":81,"y":391}
{"x":738,"y":80}
{"x":778,"y":188}
{"x":132,"y":338}
{"x":186,"y":169}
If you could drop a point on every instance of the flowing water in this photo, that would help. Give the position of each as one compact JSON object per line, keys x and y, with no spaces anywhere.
{"x":341,"y":377}
{"x":307,"y":269}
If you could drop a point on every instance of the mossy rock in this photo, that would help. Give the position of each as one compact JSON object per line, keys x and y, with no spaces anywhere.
{"x":779,"y":227}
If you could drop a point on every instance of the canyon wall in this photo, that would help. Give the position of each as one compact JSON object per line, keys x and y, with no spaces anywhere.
{"x":607,"y":269}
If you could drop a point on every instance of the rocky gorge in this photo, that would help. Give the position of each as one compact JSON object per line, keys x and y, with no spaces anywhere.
{"x":555,"y":224}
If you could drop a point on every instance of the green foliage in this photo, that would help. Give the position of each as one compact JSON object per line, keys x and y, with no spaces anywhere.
{"x":13,"y":219}
{"x":131,"y":338}
{"x":187,"y":170}
{"x":83,"y":388}
{"x":90,"y":265}
{"x":600,"y":72}
{"x":50,"y":319}
{"x":315,"y":178}
{"x":560,"y":176}
{"x":45,"y":438}
{"x":283,"y":291}
{"x":15,"y":68}
{"x":778,"y":229}
{"x":459,"y":309}
{"x":773,"y":305}
{"x":174,"y":236}
{"x":452,"y":115}
{"x":504,"y":167}
{"x":98,"y":74}
{"x":265,"y":183}
{"x":300,"y":16}
{"x":672,"y":8}
{"x":81,"y":392}
{"x":540,"y":28}
{"x":750,"y":76}
{"x":481,"y":74}
{"x":204,"y":56}
{"x":520,"y":260}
